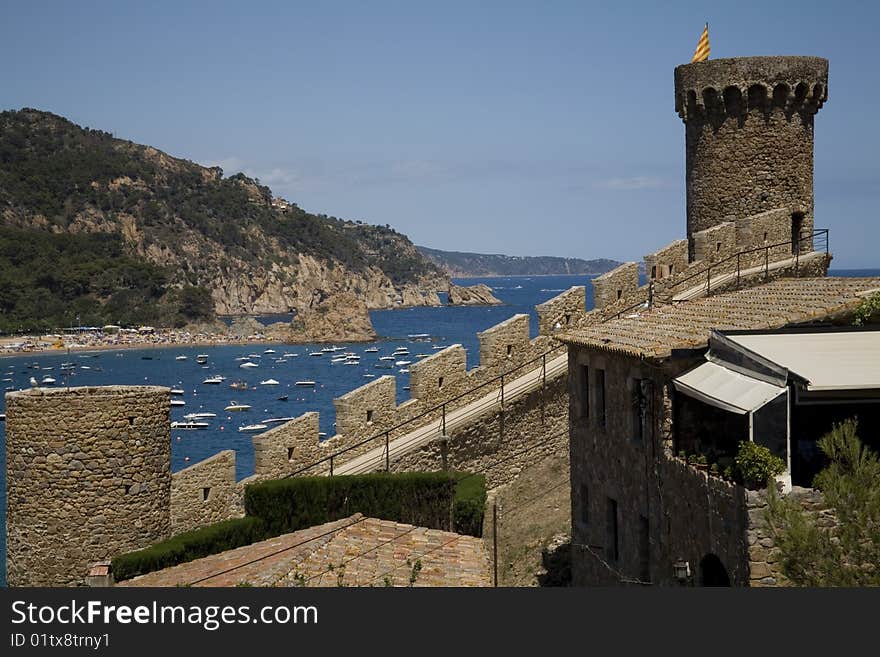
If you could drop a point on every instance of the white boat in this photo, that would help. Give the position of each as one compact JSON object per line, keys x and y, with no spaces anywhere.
{"x":190,"y":425}
{"x":178,"y":402}
{"x":252,"y":428}
{"x":176,"y":391}
{"x":248,"y":365}
{"x":371,"y":350}
{"x":401,"y":363}
{"x":277,"y":420}
{"x":199,"y":416}
{"x":351,"y":362}
{"x":287,"y":354}
{"x":338,"y":359}
{"x":213,"y":380}
{"x":48,"y":380}
{"x":386,"y":357}
{"x":254,"y":356}
{"x":180,"y":358}
{"x":317,"y":353}
{"x":310,"y":384}
{"x":201,"y":359}
{"x":404,"y":371}
{"x":237,"y":407}
{"x":270,"y":351}
{"x":269,"y":382}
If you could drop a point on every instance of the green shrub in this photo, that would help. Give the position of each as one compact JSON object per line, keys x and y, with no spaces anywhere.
{"x":417,"y":498}
{"x":756,"y":465}
{"x":184,"y":547}
{"x":470,"y":504}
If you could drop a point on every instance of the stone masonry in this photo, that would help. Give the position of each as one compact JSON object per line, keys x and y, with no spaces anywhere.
{"x":88,"y":477}
{"x":749,"y":136}
{"x":616,"y":284}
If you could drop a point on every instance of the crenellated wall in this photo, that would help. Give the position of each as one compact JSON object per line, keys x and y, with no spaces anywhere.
{"x":668,"y":261}
{"x":616,"y":284}
{"x":368,"y":409}
{"x":717,"y":242}
{"x":504,"y":343}
{"x":560,"y":311}
{"x":205,"y":493}
{"x":444,"y":372}
{"x":279,"y":451}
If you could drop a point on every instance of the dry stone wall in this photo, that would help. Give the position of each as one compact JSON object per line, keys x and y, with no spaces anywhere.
{"x":668,"y":261}
{"x":88,"y":476}
{"x":717,"y":242}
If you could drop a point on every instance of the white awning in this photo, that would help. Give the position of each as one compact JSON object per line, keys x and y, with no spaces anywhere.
{"x":844,"y":360}
{"x":725,"y":389}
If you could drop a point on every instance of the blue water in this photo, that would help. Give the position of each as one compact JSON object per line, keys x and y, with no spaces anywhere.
{"x":445,"y":325}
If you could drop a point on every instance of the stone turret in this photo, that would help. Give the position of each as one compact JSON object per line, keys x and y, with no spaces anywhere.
{"x":88,"y":476}
{"x":749,"y":138}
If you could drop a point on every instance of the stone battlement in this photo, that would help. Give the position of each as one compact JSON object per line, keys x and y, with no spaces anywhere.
{"x":737,"y":86}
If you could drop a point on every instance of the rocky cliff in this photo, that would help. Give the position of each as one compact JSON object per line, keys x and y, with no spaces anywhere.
{"x":339,"y":318}
{"x":472,"y":295}
{"x":251,"y":252}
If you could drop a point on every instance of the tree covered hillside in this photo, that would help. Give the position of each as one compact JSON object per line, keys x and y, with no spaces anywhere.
{"x":188,"y":225}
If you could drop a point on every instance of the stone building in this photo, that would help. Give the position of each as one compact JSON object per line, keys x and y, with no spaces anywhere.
{"x":637,"y":509}
{"x":644,"y":384}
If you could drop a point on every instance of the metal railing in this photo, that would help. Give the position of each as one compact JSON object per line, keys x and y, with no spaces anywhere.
{"x":385,"y":435}
{"x":819,"y":237}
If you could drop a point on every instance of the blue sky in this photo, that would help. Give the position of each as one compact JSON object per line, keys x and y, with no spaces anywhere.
{"x":527,"y":128}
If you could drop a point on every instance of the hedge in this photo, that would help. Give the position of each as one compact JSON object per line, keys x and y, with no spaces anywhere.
{"x":439,"y":500}
{"x":425,"y":499}
{"x":198,"y":543}
{"x":470,"y":503}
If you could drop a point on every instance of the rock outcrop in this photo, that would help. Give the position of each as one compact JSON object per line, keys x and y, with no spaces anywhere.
{"x":341,"y":317}
{"x":472,"y":295}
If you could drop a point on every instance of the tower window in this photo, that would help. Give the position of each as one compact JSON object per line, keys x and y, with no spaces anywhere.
{"x":370,"y":416}
{"x":440,"y":383}
{"x":509,"y":350}
{"x":206,"y":492}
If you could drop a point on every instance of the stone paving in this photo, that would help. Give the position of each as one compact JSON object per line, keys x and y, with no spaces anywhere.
{"x":355,"y":551}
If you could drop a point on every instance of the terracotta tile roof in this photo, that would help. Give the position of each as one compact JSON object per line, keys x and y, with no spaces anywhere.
{"x":655,"y":333}
{"x":355,"y":551}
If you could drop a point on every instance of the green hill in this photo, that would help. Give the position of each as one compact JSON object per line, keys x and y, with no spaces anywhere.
{"x":115,"y":231}
{"x":464,"y":265}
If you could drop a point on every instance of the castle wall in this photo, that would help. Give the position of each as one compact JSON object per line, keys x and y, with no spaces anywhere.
{"x":444,"y":372}
{"x":283,"y":449}
{"x":715,"y":243}
{"x":562,"y":310}
{"x":88,"y":476}
{"x":612,"y":286}
{"x":504,"y":343}
{"x":501,"y":448}
{"x":668,"y":261}
{"x":368,"y":409}
{"x":205,"y":493}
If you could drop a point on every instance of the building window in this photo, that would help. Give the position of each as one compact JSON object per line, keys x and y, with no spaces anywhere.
{"x":600,"y":398}
{"x":644,"y":550}
{"x":585,"y":504}
{"x":206,"y":492}
{"x":440,"y":383}
{"x":619,"y":294}
{"x":290,"y":453}
{"x":370,"y":416}
{"x":637,"y":410}
{"x":611,"y":545}
{"x":671,"y":269}
{"x":509,"y":350}
{"x":585,"y":391}
{"x":717,"y":247}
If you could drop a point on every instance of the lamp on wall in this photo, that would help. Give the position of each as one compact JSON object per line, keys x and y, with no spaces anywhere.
{"x":682,"y":571}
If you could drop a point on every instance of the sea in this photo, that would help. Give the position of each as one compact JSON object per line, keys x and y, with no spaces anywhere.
{"x":423,"y":331}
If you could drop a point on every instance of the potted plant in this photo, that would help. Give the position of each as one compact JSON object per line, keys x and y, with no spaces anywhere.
{"x":700,"y":462}
{"x":757,"y":465}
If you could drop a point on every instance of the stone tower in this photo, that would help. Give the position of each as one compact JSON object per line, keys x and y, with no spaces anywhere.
{"x":749,"y":138}
{"x":88,"y":476}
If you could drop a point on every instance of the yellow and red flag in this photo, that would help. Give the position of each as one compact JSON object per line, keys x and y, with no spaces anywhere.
{"x":701,"y":54}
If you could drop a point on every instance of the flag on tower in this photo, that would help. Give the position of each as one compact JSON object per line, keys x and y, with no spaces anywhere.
{"x":701,"y":54}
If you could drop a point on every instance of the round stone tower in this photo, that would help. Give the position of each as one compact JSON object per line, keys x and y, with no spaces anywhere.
{"x":749,"y":137}
{"x":88,"y":476}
